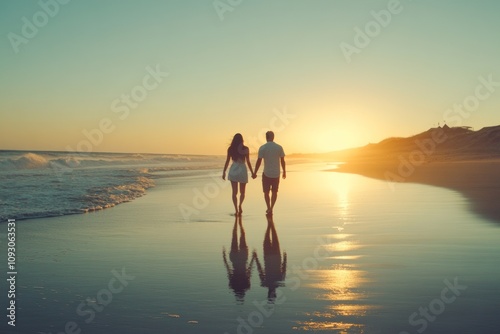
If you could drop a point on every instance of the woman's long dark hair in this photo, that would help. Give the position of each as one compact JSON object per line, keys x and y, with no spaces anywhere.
{"x":237,"y":151}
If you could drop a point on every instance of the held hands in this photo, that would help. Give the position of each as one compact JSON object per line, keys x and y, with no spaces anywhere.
{"x":254,"y":175}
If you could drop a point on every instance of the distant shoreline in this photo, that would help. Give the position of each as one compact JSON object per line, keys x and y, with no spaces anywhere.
{"x":455,"y":158}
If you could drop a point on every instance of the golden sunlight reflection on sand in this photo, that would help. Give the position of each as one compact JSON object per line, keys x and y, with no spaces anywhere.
{"x":342,"y":192}
{"x":332,"y":327}
{"x":338,"y":189}
{"x":340,"y":284}
{"x":341,"y":287}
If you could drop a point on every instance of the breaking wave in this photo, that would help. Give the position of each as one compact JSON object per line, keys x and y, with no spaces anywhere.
{"x":47,"y":184}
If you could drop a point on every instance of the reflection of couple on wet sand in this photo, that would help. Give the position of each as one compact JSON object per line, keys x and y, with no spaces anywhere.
{"x":240,"y":273}
{"x":273,"y":156}
{"x":272,"y":275}
{"x":274,"y":271}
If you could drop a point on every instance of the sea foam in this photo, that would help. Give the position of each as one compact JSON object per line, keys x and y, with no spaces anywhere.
{"x":46,"y":184}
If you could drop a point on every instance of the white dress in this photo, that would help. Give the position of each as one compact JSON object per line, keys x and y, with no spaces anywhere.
{"x":238,"y":172}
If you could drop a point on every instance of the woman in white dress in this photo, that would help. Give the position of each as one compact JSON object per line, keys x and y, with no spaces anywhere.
{"x":238,"y":174}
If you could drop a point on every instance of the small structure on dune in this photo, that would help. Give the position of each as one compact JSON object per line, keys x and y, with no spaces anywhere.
{"x":446,"y":128}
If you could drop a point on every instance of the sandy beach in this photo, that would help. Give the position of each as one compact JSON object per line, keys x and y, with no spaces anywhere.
{"x":359,"y":259}
{"x":121,"y":122}
{"x":477,"y":179}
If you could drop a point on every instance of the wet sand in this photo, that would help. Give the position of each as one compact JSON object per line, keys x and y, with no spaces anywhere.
{"x":343,"y":255}
{"x":478,"y":180}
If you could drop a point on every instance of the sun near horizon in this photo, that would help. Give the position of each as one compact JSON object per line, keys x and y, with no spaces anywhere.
{"x":183,"y":77}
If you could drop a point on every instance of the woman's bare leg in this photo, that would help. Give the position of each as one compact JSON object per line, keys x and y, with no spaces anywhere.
{"x":234,"y":185}
{"x":242,"y":195}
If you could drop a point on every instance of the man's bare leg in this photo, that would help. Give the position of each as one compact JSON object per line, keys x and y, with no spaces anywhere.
{"x":268,"y":203}
{"x":274,"y":197}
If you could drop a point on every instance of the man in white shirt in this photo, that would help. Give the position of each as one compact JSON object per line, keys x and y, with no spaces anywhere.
{"x":273,"y":156}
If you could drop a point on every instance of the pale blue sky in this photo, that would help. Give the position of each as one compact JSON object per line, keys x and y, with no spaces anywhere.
{"x":231,"y":75}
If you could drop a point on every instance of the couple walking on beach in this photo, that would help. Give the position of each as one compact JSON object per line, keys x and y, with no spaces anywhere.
{"x":273,"y":156}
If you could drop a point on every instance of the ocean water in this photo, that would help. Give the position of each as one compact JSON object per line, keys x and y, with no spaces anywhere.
{"x":47,"y":184}
{"x":343,"y":254}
